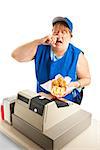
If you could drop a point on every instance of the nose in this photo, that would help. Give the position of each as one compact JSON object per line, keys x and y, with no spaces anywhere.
{"x":59,"y":34}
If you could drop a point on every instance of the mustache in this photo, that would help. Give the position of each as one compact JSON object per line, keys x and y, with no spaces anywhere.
{"x":58,"y":40}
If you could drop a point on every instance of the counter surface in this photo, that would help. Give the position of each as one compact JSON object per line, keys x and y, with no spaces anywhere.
{"x":87,"y":140}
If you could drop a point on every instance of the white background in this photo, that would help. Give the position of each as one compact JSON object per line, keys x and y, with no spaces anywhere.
{"x":22,"y":21}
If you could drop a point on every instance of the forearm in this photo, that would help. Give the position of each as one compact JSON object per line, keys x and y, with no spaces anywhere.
{"x":26,"y":52}
{"x":84,"y":82}
{"x":80,"y":83}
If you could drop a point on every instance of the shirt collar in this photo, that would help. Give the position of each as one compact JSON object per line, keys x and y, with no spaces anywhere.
{"x":53,"y":56}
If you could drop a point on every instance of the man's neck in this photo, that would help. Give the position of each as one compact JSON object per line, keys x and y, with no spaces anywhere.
{"x":60,"y":52}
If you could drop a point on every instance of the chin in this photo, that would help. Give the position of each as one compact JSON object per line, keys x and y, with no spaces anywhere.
{"x":59,"y":48}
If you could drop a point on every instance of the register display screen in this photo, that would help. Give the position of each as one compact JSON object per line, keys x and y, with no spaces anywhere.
{"x":22,"y":98}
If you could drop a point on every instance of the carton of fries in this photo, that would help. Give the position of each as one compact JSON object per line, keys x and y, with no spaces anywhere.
{"x":58,"y":86}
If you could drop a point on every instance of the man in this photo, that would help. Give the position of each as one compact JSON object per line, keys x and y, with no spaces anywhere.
{"x":54,"y":54}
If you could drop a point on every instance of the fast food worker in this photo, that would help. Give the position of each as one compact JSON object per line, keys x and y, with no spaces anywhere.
{"x":54,"y":54}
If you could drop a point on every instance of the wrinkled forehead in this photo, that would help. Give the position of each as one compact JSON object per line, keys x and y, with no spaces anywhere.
{"x":60,"y":27}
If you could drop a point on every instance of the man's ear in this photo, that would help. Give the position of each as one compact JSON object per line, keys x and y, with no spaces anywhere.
{"x":71,"y":35}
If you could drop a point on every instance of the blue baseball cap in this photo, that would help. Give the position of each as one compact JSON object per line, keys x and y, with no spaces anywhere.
{"x":67,"y":22}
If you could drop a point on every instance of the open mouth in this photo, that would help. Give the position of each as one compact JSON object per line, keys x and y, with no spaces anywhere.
{"x":58,"y":41}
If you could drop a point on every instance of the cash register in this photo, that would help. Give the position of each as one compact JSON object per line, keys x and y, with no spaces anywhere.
{"x":51,"y":123}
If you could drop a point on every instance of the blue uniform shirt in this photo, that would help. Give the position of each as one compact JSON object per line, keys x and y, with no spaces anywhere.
{"x":46,"y":68}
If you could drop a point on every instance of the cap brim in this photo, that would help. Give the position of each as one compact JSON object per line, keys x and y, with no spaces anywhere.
{"x":59,"y":19}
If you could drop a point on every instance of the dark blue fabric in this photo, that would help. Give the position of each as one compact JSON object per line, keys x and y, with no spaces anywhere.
{"x":46,"y":69}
